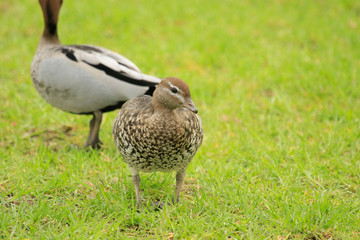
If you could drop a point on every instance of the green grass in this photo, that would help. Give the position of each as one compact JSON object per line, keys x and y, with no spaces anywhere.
{"x":277,"y":87}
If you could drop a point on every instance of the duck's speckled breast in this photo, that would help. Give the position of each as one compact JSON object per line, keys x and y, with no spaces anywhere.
{"x":157,"y":142}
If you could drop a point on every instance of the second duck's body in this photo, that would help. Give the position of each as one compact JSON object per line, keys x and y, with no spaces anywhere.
{"x":84,"y":79}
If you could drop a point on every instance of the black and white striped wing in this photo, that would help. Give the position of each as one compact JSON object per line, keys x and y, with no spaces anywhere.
{"x":111,"y":63}
{"x":84,"y":79}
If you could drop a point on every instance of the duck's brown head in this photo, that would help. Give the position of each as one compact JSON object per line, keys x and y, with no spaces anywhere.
{"x":173,"y":93}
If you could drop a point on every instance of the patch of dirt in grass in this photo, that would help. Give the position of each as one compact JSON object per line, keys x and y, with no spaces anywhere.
{"x":306,"y":236}
{"x":48,"y":134}
{"x":10,"y":201}
{"x":4,"y":6}
{"x":268,"y":92}
{"x":52,"y":138}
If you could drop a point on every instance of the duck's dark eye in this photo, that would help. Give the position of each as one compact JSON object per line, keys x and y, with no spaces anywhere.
{"x":174,"y":90}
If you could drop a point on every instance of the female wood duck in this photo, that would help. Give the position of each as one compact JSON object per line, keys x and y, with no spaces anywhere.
{"x":159,"y":133}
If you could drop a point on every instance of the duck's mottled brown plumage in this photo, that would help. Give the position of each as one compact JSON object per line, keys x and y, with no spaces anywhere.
{"x":160,"y":133}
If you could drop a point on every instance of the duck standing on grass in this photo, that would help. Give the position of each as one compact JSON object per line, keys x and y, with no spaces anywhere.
{"x":159,"y":133}
{"x":84,"y":79}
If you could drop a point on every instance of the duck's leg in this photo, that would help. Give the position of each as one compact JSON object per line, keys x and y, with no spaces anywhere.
{"x":136,"y":181}
{"x":180,"y":176}
{"x":93,"y":140}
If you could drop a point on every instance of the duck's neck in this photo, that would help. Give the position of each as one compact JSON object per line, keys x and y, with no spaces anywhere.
{"x":50,"y":11}
{"x":160,"y":108}
{"x":49,"y":40}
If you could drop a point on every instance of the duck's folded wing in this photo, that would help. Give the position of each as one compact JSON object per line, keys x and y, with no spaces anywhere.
{"x":110,"y":63}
